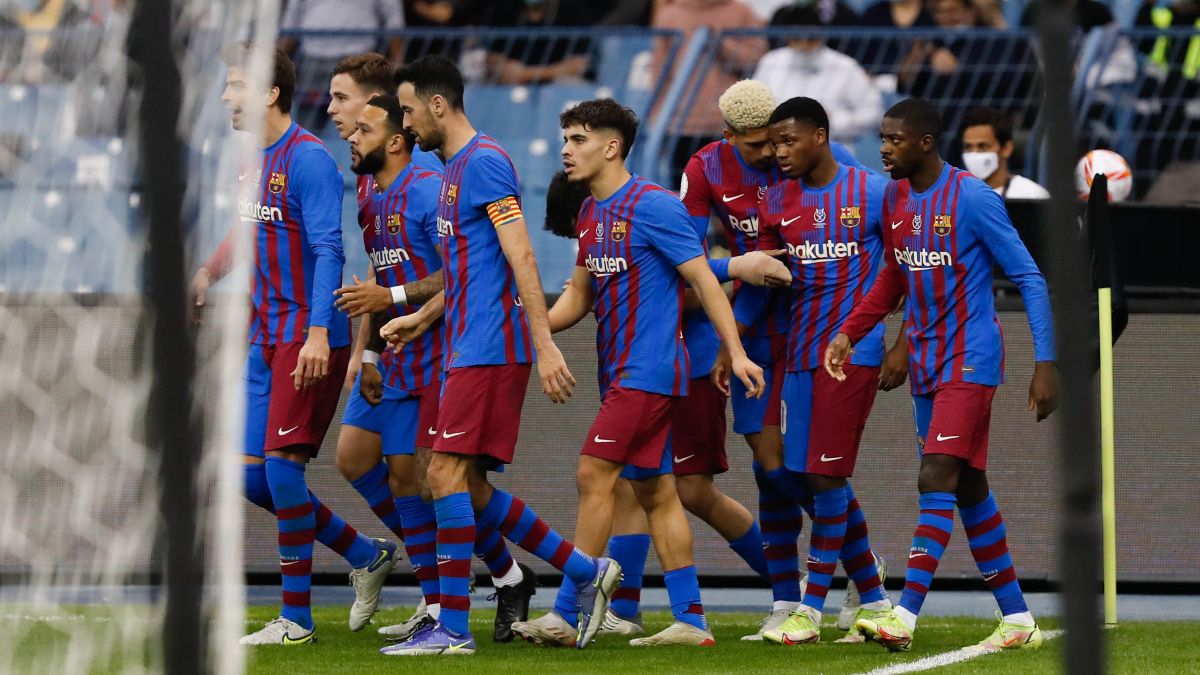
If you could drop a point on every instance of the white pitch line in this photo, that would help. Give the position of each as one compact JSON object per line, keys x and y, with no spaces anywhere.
{"x":944,"y":659}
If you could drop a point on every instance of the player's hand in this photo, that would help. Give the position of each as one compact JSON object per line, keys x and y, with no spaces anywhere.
{"x":751,"y":375}
{"x":404,"y":329}
{"x":352,"y":369}
{"x":1043,"y":390}
{"x":313,"y":363}
{"x":760,"y":268}
{"x":721,"y":369}
{"x":895,"y":367}
{"x":364,"y":297}
{"x":199,"y":293}
{"x":371,"y":386}
{"x":557,"y":381}
{"x":836,"y":355}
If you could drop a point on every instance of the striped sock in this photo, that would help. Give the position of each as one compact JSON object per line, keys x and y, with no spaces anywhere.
{"x":455,"y":536}
{"x":683,"y":591}
{"x":332,"y":531}
{"x":420,"y":542}
{"x":856,"y":555}
{"x":750,"y":547}
{"x":294,"y":509}
{"x":825,"y":543}
{"x":491,"y":549}
{"x":630,"y":551}
{"x":928,"y":544}
{"x":781,"y":520}
{"x":989,"y":547}
{"x":373,"y":486}
{"x":521,"y":525}
{"x":566,"y":603}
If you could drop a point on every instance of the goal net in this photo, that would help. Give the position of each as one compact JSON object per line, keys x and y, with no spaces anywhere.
{"x":82,"y":537}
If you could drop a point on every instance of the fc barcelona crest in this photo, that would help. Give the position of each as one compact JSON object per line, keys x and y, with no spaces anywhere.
{"x":619,"y":227}
{"x":278,"y":182}
{"x":850,"y":216}
{"x":942,"y":223}
{"x":819,"y":217}
{"x":393,"y":223}
{"x":451,"y":194}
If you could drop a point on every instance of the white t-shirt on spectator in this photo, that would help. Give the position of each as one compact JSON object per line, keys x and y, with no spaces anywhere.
{"x":842,"y":87}
{"x":1020,"y":187}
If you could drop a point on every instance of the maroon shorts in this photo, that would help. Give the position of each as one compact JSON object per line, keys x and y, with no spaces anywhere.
{"x":480,"y":411}
{"x":631,"y":427}
{"x":698,"y":431}
{"x":301,"y":417}
{"x":771,"y":416}
{"x":427,"y":414}
{"x":839,"y":415}
{"x":958,"y":426}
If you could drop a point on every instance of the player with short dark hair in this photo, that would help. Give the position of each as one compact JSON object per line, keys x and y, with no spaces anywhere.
{"x":299,"y":343}
{"x":944,"y":232}
{"x":827,"y":218}
{"x":637,"y":250}
{"x":495,"y":321}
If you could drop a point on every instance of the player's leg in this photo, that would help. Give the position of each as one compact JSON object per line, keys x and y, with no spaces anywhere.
{"x":629,"y":545}
{"x":672,"y":538}
{"x":866,"y":572}
{"x":360,"y":454}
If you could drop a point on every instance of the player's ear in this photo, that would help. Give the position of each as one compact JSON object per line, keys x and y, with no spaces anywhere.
{"x":272,"y":96}
{"x":728,"y":133}
{"x":437,"y":104}
{"x":612,"y":149}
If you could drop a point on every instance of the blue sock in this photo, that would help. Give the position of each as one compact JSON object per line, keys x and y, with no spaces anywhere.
{"x":455,"y":537}
{"x":297,"y":530}
{"x":825,"y":543}
{"x":989,"y":546}
{"x":750,"y":547}
{"x":566,"y":603}
{"x":857,"y":557}
{"x":520,"y":525}
{"x":420,"y":542}
{"x":683,"y":591}
{"x":373,"y":486}
{"x":258,"y":491}
{"x":630,"y":551}
{"x":490,"y":548}
{"x":928,"y":544}
{"x":782,"y":520}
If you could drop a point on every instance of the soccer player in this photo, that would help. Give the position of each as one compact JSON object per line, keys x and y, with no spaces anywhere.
{"x":827,"y":217}
{"x":298,"y":344}
{"x":636,"y":251}
{"x":356,"y":79}
{"x":495,"y":320}
{"x":944,"y":232}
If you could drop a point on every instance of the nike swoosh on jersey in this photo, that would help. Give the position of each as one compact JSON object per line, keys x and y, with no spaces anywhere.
{"x":788,"y":221}
{"x":447,"y":434}
{"x":680,"y":460}
{"x":432,"y":431}
{"x":597,"y":439}
{"x":830,"y":459}
{"x":897,"y":223}
{"x":281,"y":431}
{"x":946,"y":438}
{"x":727,"y":198}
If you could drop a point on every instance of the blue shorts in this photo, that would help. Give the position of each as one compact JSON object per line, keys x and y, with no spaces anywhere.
{"x":750,"y":415}
{"x":394,"y":419}
{"x":256,"y":374}
{"x":631,"y":472}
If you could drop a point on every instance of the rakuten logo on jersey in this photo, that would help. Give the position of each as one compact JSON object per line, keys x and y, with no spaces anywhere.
{"x":749,"y":225}
{"x":388,"y":257}
{"x":258,"y":211}
{"x":919,"y":261}
{"x":811,"y":253}
{"x":605,"y":265}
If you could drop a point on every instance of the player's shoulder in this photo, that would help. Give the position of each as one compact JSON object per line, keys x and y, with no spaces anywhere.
{"x":488,"y":150}
{"x":876,"y":183}
{"x":650,"y":196}
{"x":970,"y":186}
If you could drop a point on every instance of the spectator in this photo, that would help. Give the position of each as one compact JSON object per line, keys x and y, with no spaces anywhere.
{"x":735,"y":57}
{"x":898,"y":14}
{"x":888,"y":52}
{"x":1089,"y":14}
{"x":364,"y":15}
{"x":807,"y":67}
{"x":987,"y":146}
{"x":620,"y":12}
{"x":540,"y":59}
{"x":829,"y":12}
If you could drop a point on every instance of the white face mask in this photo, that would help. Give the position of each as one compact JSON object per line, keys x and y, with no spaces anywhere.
{"x":982,"y":164}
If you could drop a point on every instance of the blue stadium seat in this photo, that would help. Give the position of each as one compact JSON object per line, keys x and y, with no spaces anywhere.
{"x":18,"y":108}
{"x":617,"y":54}
{"x":503,"y":112}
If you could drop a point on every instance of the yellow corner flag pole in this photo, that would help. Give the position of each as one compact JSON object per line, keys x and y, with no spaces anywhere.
{"x":1108,"y":495}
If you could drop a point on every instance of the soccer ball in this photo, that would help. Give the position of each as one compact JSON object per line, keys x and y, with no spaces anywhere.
{"x":1112,"y":165}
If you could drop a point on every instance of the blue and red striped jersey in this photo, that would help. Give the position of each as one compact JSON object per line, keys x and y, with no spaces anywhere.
{"x":717,"y":182}
{"x":835,"y":250}
{"x":295,"y":200}
{"x":485,"y":323}
{"x":399,"y":229}
{"x":941,"y":247}
{"x":631,"y":244}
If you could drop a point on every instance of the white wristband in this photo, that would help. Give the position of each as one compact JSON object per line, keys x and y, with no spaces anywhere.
{"x":399,"y":297}
{"x":370,"y":357}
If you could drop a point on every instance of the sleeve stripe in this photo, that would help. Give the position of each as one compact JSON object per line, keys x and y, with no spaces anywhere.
{"x":504,"y":211}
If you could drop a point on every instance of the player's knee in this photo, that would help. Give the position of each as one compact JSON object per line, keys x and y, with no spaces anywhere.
{"x":823,"y":483}
{"x":593,"y":478}
{"x":972,"y":487}
{"x":696,"y":493}
{"x":939,"y":473}
{"x":444,"y":477}
{"x":402,"y":482}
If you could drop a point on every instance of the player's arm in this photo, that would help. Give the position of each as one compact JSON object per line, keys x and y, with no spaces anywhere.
{"x":320,"y":189}
{"x":371,"y":384}
{"x":404,"y":329}
{"x":422,"y":291}
{"x":1001,"y":238}
{"x":894,"y":371}
{"x":881,"y":300}
{"x":716,"y":306}
{"x":574,"y":303}
{"x":557,"y":381}
{"x":360,"y":341}
{"x":751,"y":301}
{"x":213,"y":269}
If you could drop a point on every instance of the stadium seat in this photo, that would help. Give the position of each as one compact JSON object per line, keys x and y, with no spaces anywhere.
{"x":503,"y":112}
